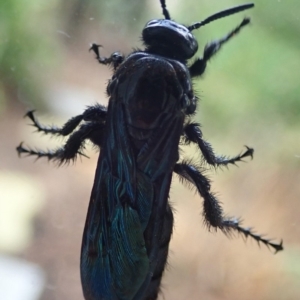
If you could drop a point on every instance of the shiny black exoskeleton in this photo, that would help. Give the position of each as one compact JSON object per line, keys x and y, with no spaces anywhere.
{"x":151,"y":99}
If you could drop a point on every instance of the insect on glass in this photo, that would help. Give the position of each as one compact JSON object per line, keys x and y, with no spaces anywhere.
{"x":151,"y":100}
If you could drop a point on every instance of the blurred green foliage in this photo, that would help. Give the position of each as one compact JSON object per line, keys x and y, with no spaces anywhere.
{"x":29,"y":42}
{"x":264,"y":60}
{"x":26,"y":48}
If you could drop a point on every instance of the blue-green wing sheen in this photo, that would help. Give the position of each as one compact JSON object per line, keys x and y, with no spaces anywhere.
{"x":129,"y":221}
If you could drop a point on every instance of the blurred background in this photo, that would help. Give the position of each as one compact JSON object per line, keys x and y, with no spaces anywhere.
{"x":249,"y":96}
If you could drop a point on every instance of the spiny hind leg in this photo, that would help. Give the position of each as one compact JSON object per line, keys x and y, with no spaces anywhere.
{"x":212,"y":210}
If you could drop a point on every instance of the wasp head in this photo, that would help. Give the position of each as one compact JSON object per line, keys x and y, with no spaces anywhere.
{"x":168,"y":38}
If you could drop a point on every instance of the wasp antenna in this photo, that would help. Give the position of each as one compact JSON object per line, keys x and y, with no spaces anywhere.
{"x":165,"y":11}
{"x":221,"y":14}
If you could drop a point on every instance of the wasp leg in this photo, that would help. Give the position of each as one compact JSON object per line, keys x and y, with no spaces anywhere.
{"x":95,"y":113}
{"x":199,"y":65}
{"x":115,"y":58}
{"x":193,"y":133}
{"x":75,"y":144}
{"x":213,"y":212}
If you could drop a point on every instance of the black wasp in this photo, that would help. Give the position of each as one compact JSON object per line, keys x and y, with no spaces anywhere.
{"x":151,"y":100}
